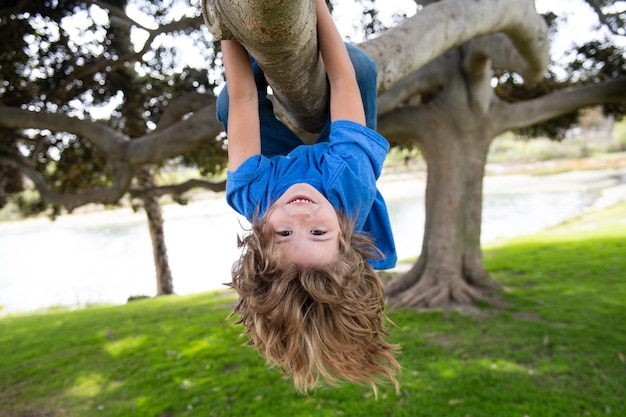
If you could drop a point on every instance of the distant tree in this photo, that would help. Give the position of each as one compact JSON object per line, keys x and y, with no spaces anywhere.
{"x":61,"y":64}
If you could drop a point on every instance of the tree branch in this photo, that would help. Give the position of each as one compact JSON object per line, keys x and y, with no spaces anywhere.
{"x":118,"y":13}
{"x":604,"y":18}
{"x":427,"y":80}
{"x":450,"y":23}
{"x":178,"y":138}
{"x":104,"y":138}
{"x":405,"y":125}
{"x":281,"y":36}
{"x":101,"y":64}
{"x":183,"y":104}
{"x":178,"y":189}
{"x":529,"y":112}
{"x":432,"y":77}
{"x":104,"y":195}
{"x":125,"y":154}
{"x":499,"y":48}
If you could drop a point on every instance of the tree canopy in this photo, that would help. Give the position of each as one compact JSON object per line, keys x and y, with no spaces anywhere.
{"x":88,"y":93}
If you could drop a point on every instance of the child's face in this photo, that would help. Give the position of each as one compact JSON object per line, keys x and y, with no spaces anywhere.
{"x":306,"y":226}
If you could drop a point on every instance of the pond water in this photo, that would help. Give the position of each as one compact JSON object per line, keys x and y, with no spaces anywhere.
{"x":106,"y":257}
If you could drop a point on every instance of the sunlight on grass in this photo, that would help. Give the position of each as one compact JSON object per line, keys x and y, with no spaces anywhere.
{"x":88,"y":385}
{"x":121,"y":347}
{"x":504,"y":366}
{"x":197,"y":346}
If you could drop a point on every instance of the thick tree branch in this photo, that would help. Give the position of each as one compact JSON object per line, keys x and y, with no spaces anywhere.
{"x":125,"y":154}
{"x":104,"y":138}
{"x":104,"y":195}
{"x":279,"y":35}
{"x":182,"y":105}
{"x":176,"y":139}
{"x":500,"y":50}
{"x":178,"y":189}
{"x":450,"y":23}
{"x":526,"y":113}
{"x":427,"y":80}
{"x":405,"y":126}
{"x":156,"y":147}
{"x":432,"y":78}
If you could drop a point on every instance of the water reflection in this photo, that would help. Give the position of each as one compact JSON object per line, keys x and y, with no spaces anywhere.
{"x":106,"y":258}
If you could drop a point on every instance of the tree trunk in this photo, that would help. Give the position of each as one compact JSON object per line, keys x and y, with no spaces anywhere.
{"x":450,"y":268}
{"x":155,"y":223}
{"x":453,"y":132}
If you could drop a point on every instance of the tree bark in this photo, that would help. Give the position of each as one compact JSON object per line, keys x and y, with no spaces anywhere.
{"x":154,"y":213}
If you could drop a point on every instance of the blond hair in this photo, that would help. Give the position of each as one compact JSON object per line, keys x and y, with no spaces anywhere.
{"x":315,"y":323}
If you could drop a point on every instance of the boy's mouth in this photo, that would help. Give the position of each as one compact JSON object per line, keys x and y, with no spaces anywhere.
{"x":301,"y":199}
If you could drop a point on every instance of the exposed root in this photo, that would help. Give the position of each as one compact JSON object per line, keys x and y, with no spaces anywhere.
{"x":399,"y":285}
{"x":439,"y":290}
{"x":477,"y":276}
{"x":406,"y":281}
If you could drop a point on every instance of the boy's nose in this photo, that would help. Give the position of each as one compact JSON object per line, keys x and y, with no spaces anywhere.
{"x":302,"y":213}
{"x":304,"y":208}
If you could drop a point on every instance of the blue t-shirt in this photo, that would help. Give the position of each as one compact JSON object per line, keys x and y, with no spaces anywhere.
{"x":344,"y":169}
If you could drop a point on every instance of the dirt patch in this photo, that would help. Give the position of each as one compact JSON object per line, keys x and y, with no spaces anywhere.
{"x":528,"y":316}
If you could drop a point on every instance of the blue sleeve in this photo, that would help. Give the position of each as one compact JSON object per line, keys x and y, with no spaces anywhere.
{"x":359,"y":144}
{"x":354,"y":162}
{"x":247,"y":186}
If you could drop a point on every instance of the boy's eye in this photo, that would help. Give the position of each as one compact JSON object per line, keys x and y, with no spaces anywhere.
{"x":284,"y":233}
{"x":317,"y":232}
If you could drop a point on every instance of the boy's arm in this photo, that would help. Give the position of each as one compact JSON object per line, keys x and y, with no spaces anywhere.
{"x":244,"y":132}
{"x":345,"y":97}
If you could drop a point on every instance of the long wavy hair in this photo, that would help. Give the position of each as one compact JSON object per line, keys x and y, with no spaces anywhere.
{"x":315,"y":323}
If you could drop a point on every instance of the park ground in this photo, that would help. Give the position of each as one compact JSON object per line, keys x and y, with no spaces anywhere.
{"x":555,"y":347}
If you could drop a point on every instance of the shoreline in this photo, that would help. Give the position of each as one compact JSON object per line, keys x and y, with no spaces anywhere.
{"x":500,"y":178}
{"x":107,"y":253}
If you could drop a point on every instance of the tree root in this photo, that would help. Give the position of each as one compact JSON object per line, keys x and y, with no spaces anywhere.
{"x":406,"y":281}
{"x":439,"y":289}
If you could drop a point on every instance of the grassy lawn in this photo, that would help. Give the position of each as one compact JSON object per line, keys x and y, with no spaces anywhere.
{"x":557,"y":349}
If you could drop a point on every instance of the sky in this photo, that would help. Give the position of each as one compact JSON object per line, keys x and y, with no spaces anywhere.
{"x":347,"y":14}
{"x":578,"y":28}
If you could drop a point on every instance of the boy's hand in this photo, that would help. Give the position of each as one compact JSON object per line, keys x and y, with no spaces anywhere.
{"x":345,"y":96}
{"x":244,"y":132}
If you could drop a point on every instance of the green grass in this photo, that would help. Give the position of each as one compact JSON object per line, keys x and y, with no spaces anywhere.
{"x":556,"y":349}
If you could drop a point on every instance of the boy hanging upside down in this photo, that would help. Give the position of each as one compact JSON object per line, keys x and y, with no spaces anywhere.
{"x":309,"y":297}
